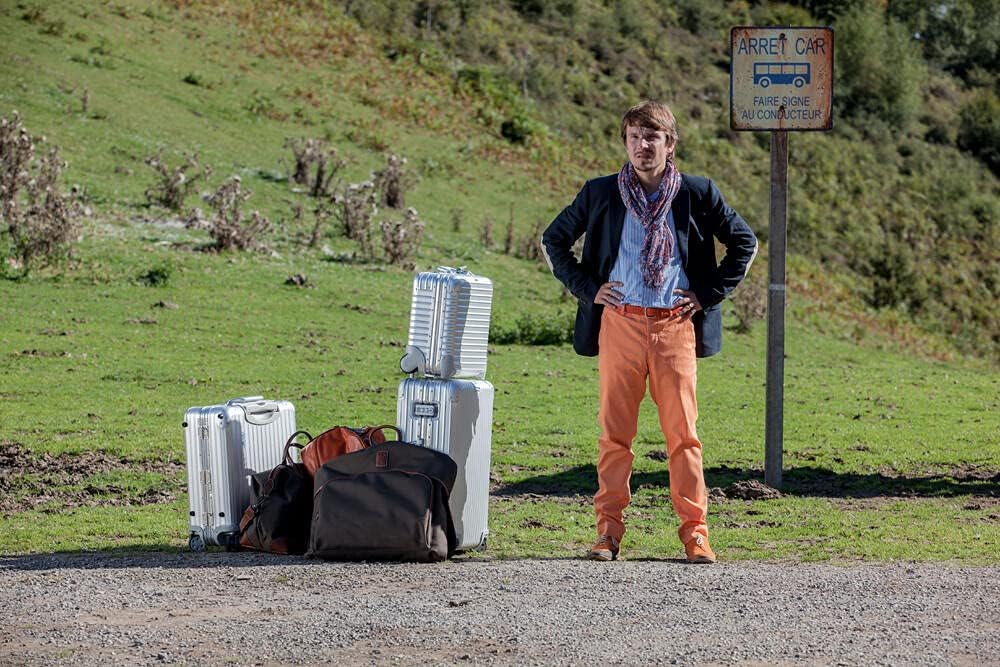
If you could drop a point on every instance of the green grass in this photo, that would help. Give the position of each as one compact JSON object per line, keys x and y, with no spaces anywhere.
{"x":890,"y":453}
{"x":887,"y":456}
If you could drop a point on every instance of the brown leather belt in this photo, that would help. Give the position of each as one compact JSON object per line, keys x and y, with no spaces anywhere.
{"x":656,"y":313}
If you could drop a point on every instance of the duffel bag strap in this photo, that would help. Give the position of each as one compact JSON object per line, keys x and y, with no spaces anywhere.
{"x":286,"y":460}
{"x":372,"y":434}
{"x":286,"y":456}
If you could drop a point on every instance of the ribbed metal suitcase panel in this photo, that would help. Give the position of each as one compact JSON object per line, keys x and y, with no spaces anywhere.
{"x":455,"y":417}
{"x":450,"y":322}
{"x":225,"y":445}
{"x":209,"y":464}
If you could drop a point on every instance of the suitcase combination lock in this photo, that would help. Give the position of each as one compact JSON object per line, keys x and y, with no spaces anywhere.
{"x":427,"y":410}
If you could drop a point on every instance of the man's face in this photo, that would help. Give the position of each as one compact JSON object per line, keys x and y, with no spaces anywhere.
{"x":647,"y":148}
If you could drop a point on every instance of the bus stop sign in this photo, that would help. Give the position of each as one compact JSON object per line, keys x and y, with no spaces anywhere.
{"x":781,"y":78}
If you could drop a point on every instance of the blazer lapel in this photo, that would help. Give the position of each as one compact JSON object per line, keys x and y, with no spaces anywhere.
{"x":681,"y":209}
{"x":616,"y":217}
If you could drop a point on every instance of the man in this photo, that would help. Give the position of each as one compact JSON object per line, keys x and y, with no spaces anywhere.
{"x":649,"y":291}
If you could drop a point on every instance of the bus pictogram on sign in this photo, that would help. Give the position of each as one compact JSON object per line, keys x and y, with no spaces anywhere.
{"x":795,"y":74}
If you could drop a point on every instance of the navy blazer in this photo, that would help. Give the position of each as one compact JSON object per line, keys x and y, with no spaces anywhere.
{"x":701,"y":215}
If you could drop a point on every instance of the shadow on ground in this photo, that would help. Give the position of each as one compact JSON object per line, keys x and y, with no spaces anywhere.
{"x":798,"y":481}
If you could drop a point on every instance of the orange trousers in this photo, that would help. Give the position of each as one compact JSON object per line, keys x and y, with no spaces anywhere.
{"x":632,"y":349}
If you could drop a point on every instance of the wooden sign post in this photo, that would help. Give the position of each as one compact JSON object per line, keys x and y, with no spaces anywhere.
{"x":781,"y":80}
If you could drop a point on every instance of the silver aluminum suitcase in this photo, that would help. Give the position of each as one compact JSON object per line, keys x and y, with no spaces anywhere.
{"x":226,"y":444}
{"x":449,"y":324}
{"x":454,"y":417}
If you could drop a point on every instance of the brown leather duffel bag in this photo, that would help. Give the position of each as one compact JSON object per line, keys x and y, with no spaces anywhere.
{"x":341,"y":440}
{"x":385,"y":502}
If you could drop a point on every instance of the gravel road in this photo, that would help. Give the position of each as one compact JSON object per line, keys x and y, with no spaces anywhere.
{"x":243,"y":608}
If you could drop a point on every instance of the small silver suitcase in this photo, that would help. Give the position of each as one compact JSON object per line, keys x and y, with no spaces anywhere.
{"x":449,"y":324}
{"x":226,"y":444}
{"x":454,"y":417}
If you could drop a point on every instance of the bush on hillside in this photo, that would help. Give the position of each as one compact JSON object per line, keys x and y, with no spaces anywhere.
{"x":534,"y":329}
{"x":157,"y":276}
{"x":174,"y":184}
{"x":316,"y":165}
{"x":979,"y":128}
{"x":880,"y":72}
{"x":750,"y":301}
{"x":486,"y":233}
{"x":40,"y":220}
{"x":354,"y":209}
{"x":959,"y":35}
{"x":828,"y":10}
{"x":529,"y":246}
{"x":393,"y":181}
{"x":229,"y":227}
{"x":401,"y":239}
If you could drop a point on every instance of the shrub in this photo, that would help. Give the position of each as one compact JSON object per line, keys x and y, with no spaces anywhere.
{"x":750,"y":302}
{"x":41,"y":220}
{"x":508,"y":239}
{"x":194,"y":79}
{"x":534,"y":329}
{"x":158,"y":276}
{"x":880,"y":71}
{"x":518,"y":129}
{"x":960,"y":35}
{"x":401,"y":239}
{"x":486,"y":233}
{"x":228,"y":226}
{"x":393,"y":181}
{"x":530,"y":247}
{"x":315,"y":153}
{"x":175,"y":183}
{"x":355,"y":208}
{"x":979,"y":128}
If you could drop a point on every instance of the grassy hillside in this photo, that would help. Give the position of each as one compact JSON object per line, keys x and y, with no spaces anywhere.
{"x":900,"y":195}
{"x":523,"y":98}
{"x":888,"y":434}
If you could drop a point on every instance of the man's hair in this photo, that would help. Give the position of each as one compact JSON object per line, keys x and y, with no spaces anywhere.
{"x":655,"y":115}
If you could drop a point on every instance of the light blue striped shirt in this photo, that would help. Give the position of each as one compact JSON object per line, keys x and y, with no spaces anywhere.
{"x":628,"y":268}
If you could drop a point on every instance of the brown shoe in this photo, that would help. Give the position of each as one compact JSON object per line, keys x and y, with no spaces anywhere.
{"x":605,"y":548}
{"x":699,"y":551}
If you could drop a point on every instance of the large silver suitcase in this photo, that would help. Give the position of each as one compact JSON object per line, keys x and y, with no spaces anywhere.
{"x":454,"y":417}
{"x":449,"y":324}
{"x":226,"y":444}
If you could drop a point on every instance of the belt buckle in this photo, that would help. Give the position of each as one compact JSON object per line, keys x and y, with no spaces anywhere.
{"x":650,"y":312}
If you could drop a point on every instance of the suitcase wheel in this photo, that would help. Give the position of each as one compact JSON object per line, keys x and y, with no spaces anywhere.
{"x":196,"y":543}
{"x":231,"y":541}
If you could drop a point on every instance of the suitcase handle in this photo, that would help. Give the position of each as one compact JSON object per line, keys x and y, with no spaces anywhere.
{"x":413,"y":361}
{"x":244,"y":399}
{"x":451,"y":269}
{"x":261,"y":412}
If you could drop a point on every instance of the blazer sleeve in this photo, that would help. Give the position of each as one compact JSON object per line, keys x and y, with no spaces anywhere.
{"x":557,"y":246}
{"x":740,"y":243}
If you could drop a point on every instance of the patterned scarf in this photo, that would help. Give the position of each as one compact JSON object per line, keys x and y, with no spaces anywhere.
{"x":658,"y":246}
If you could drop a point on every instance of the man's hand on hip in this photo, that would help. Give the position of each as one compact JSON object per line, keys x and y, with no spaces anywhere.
{"x":686,"y":307}
{"x":608,"y":296}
